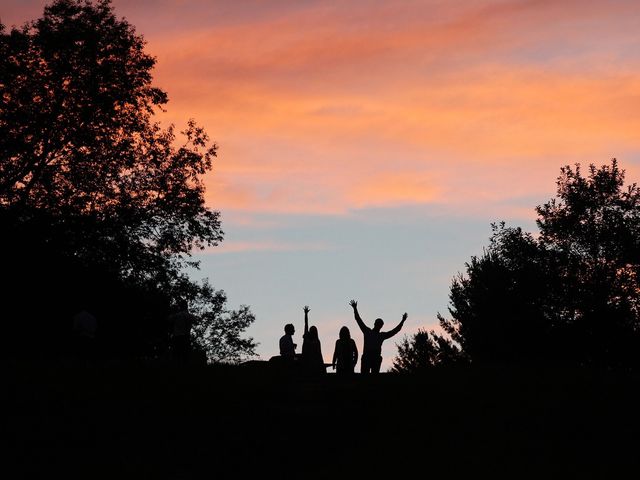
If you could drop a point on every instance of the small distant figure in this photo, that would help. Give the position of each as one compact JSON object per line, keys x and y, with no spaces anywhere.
{"x":311,"y":350}
{"x":373,"y":338}
{"x":345,"y":355}
{"x":287,"y":347}
{"x":85,"y":327}
{"x":180,"y":323}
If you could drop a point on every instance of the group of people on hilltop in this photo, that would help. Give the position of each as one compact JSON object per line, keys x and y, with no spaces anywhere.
{"x":345,"y":354}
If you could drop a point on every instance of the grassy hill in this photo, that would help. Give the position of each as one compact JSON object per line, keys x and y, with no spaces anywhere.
{"x":251,"y":422}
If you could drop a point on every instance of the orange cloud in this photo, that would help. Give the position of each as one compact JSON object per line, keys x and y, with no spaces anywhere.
{"x":324,"y":108}
{"x":393,"y":189}
{"x":522,"y":119}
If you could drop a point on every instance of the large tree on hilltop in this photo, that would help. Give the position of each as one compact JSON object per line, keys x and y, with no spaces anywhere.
{"x":592,"y":232}
{"x":77,"y":137}
{"x":86,"y":169}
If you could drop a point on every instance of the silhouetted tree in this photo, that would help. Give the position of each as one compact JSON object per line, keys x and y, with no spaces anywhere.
{"x":571,"y":294}
{"x":499,"y":306}
{"x":424,"y":350}
{"x":219,"y":330}
{"x":593,"y":230}
{"x":86,"y":169}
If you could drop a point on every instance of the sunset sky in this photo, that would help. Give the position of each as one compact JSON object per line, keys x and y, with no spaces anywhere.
{"x":366,"y":146}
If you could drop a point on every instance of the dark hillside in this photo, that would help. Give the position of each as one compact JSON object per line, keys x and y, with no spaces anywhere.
{"x":219,"y":422}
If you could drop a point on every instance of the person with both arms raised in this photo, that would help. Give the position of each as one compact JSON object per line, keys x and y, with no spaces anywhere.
{"x":373,"y":338}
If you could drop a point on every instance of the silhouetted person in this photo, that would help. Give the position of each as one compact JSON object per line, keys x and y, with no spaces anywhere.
{"x":287,"y":347}
{"x":345,"y":355}
{"x":85,"y":326}
{"x":311,"y":349}
{"x":373,"y":338}
{"x":181,"y":322}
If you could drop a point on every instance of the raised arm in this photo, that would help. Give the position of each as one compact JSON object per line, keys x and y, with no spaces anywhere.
{"x":361,"y":324}
{"x":335,"y":355}
{"x":306,"y":319}
{"x":398,"y":327}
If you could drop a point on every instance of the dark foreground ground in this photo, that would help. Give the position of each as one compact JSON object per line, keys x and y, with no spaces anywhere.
{"x":248,"y":422}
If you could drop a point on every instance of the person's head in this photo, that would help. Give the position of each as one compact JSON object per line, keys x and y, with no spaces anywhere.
{"x":289,"y":329}
{"x":377,"y":325}
{"x":313,"y":333}
{"x":345,"y":334}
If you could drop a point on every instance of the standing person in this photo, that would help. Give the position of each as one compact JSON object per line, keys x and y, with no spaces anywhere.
{"x":287,"y":347}
{"x":373,"y":338}
{"x":311,"y":349}
{"x":345,"y":355}
{"x":181,"y":322}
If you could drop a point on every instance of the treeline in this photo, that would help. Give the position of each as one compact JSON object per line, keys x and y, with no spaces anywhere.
{"x":567,"y":295}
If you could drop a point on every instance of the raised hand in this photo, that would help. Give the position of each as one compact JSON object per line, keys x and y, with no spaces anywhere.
{"x":306,"y":309}
{"x":354,"y":304}
{"x":404,"y":317}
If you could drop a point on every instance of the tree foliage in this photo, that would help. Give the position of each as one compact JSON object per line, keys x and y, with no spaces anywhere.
{"x":86,"y":170}
{"x":568,"y":295}
{"x":424,"y":350}
{"x":499,"y":307}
